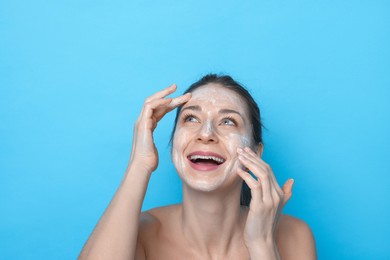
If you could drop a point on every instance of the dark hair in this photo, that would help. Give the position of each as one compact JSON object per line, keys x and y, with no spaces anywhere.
{"x":253,"y":109}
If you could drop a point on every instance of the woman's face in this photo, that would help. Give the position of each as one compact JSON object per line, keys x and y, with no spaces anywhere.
{"x":210,"y":128}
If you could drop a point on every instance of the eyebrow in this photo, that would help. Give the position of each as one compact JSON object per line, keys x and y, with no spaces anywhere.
{"x":196,"y":108}
{"x":222,"y":111}
{"x":229,"y":111}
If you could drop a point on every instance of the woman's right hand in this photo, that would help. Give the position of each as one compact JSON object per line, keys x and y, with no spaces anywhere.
{"x":144,"y":153}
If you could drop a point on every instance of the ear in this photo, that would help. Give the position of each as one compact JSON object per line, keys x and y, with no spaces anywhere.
{"x":260,"y":149}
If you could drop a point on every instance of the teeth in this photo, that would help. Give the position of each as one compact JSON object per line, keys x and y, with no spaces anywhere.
{"x":217,"y":159}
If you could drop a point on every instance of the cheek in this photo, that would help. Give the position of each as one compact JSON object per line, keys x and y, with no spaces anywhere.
{"x":235,"y":141}
{"x":176,"y":148}
{"x":179,"y":143}
{"x":179,"y":138}
{"x":246,"y":141}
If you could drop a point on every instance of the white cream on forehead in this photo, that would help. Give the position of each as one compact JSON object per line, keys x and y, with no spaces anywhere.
{"x":215,"y":94}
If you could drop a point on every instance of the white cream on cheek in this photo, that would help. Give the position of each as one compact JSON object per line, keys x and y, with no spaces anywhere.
{"x":237,"y":141}
{"x":246,"y":141}
{"x":177,"y":155}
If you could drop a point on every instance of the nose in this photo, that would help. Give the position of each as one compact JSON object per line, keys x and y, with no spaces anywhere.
{"x":207,"y":134}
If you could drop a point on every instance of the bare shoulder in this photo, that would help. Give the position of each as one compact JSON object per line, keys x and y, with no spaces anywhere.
{"x":295,"y":239}
{"x":289,"y":225}
{"x":148,"y":223}
{"x":153,"y":221}
{"x":156,"y":231}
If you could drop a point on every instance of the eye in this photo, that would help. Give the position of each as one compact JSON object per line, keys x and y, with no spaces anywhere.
{"x":229,"y":121}
{"x":190,"y":118}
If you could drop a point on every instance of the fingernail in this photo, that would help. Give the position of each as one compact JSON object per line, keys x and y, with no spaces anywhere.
{"x":239,"y":150}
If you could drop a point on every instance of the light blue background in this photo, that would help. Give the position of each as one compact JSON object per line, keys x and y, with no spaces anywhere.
{"x":74,"y":74}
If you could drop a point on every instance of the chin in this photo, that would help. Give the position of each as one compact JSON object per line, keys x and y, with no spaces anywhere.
{"x":202,"y":185}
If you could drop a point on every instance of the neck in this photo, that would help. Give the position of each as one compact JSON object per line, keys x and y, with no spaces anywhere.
{"x":212,"y":221}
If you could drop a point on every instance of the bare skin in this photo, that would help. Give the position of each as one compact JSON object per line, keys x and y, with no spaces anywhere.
{"x":210,"y":223}
{"x":162,"y":237}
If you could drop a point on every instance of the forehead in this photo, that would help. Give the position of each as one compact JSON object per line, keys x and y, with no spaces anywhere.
{"x":218,"y":96}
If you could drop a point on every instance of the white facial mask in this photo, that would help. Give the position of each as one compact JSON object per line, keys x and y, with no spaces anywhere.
{"x":224,"y":139}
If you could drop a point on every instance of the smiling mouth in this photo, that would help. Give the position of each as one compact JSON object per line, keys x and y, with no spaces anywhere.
{"x":206,"y":159}
{"x":205,"y":162}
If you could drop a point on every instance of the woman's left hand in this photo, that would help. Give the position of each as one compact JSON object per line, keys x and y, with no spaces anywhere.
{"x":266,"y":204}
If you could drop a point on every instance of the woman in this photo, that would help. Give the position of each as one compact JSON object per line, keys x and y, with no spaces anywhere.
{"x":226,"y":213}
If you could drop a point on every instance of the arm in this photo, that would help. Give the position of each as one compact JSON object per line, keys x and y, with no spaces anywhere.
{"x":115,"y":235}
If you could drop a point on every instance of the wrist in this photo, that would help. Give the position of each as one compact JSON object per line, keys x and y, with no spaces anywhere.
{"x":138,"y":168}
{"x":265,"y":249}
{"x":136,"y":173}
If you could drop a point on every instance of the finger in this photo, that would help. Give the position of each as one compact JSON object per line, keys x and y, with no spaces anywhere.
{"x":160,"y":111}
{"x":287,"y":190}
{"x":151,"y":105}
{"x":262,"y":176}
{"x":255,"y":157}
{"x":175,"y":102}
{"x":146,"y":112}
{"x":253,"y":185}
{"x":148,"y":116}
{"x":248,"y":153}
{"x":180,"y":100}
{"x":163,"y":93}
{"x":275,"y":194}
